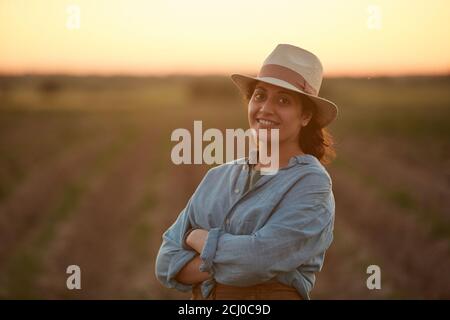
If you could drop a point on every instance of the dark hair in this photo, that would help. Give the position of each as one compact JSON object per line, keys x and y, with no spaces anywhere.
{"x":313,"y":139}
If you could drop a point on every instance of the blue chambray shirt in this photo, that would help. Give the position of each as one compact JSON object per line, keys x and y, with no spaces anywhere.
{"x":279,"y":229}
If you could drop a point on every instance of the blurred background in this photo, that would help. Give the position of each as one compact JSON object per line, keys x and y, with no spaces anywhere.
{"x":90,"y":92}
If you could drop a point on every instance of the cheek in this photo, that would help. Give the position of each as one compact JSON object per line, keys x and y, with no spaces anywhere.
{"x":290,"y":116}
{"x":252,"y":110}
{"x":291,"y":122}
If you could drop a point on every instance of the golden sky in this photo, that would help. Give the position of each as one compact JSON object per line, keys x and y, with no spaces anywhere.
{"x":351,"y":37}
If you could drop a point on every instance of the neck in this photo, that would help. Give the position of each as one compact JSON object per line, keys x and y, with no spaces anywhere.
{"x":286,"y":152}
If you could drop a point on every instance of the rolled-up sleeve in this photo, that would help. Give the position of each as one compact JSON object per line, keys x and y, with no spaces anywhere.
{"x":172,"y":256}
{"x":300,"y":228}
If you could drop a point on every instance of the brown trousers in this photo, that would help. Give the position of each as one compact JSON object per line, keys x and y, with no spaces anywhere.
{"x":271,"y":290}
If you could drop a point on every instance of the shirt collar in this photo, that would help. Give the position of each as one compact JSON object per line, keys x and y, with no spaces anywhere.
{"x":303,"y":159}
{"x":297,"y":159}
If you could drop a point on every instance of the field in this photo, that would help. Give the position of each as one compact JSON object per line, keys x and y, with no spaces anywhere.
{"x":86,"y":178}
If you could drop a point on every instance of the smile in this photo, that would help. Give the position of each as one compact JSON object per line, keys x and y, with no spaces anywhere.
{"x":266,"y":122}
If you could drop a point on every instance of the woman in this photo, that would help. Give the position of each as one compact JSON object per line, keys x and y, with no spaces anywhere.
{"x":245,"y":235}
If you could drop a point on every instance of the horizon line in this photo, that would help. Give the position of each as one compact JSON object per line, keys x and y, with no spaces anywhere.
{"x":199,"y":75}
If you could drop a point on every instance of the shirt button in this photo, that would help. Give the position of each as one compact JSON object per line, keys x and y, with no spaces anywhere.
{"x":236,"y":190}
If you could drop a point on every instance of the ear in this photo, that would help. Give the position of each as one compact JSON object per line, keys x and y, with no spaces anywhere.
{"x":306,"y":110}
{"x":306,"y":117}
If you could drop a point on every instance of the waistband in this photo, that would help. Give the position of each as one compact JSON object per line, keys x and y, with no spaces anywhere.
{"x":271,"y":290}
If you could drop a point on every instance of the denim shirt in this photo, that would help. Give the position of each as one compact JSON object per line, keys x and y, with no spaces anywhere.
{"x":278,"y":229}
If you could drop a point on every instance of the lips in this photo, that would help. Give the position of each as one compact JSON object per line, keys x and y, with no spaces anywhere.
{"x":267,"y":122}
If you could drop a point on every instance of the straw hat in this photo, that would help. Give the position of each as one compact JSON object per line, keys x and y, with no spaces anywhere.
{"x":295,"y":69}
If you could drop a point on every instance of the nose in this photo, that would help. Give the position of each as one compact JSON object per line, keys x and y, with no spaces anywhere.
{"x":267,"y":107}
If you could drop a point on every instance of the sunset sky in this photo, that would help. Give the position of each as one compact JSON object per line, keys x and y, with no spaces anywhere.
{"x":351,"y":37}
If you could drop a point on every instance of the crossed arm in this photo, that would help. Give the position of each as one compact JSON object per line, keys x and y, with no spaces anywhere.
{"x":190,"y":273}
{"x":303,"y":228}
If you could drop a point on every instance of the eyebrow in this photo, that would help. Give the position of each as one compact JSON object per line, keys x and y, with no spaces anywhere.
{"x":279,"y":91}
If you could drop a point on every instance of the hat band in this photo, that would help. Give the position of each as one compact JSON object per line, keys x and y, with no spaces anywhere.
{"x":288,"y":75}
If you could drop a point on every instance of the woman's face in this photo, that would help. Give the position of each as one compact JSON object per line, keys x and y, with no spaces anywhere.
{"x":273,"y":107}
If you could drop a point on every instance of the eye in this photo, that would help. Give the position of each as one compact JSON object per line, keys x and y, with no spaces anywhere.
{"x":258,"y":96}
{"x":284,"y":100}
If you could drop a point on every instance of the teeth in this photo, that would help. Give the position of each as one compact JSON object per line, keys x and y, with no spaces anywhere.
{"x":266,"y":122}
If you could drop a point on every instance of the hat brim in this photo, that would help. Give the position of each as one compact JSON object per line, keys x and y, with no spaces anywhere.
{"x":326,"y":110}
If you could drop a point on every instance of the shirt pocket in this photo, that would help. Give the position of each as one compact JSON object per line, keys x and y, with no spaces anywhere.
{"x":270,"y":197}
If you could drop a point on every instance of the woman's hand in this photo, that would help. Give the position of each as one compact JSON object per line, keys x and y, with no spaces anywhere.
{"x":191,"y":274}
{"x":196,"y":239}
